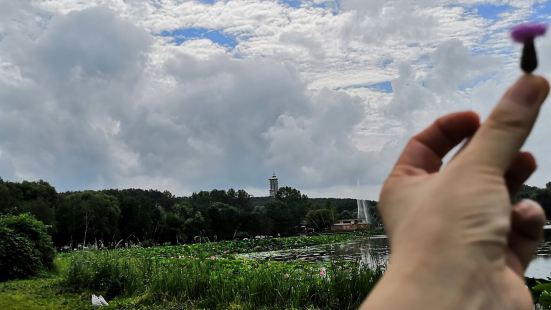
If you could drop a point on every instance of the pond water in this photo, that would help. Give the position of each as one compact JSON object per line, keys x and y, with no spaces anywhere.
{"x":375,"y":250}
{"x":540,"y":267}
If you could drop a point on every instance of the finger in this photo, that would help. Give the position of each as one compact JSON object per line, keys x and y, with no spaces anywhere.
{"x":520,"y":170}
{"x":463,"y":147}
{"x":426,"y":150}
{"x":527,"y":222}
{"x":500,"y":137}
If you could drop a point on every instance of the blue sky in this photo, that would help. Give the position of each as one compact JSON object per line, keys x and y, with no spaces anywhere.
{"x":182,"y":35}
{"x":489,"y":11}
{"x":492,"y":11}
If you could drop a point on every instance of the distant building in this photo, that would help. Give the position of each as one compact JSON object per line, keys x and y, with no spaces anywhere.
{"x":350,"y":225}
{"x":273,"y":185}
{"x":363,"y":220}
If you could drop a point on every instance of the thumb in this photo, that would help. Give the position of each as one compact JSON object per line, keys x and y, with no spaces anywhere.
{"x":527,"y":221}
{"x":500,"y":137}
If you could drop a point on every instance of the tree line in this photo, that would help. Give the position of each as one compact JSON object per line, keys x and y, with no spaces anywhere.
{"x":541,"y":195}
{"x":117,"y":217}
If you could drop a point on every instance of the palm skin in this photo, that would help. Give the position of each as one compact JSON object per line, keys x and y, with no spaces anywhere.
{"x":456,"y":240}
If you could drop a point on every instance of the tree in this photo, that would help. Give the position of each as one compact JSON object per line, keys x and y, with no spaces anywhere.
{"x":347,"y":214}
{"x":320,"y":220}
{"x":85,"y":216}
{"x":25,"y":246}
{"x":282,"y":220}
{"x":297,"y":203}
{"x":224,"y":220}
{"x":289,"y":194}
{"x":141,"y":212}
{"x":194,"y":226}
{"x":243,"y":201}
{"x":173,"y":225}
{"x":37,"y":198}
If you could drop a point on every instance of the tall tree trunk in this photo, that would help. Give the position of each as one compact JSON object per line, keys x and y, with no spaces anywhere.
{"x":86,"y":229}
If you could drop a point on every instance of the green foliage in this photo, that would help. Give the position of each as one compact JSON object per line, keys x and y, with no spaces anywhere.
{"x":224,"y":220}
{"x":320,"y":219}
{"x":228,"y":248}
{"x":85,"y":216}
{"x":281,"y":218}
{"x":150,"y":217}
{"x":109,"y":273}
{"x":17,"y":256}
{"x":216,"y":283}
{"x":38,"y":198}
{"x":25,"y":247}
{"x":347,"y":214}
{"x":542,"y":293}
{"x":39,"y":293}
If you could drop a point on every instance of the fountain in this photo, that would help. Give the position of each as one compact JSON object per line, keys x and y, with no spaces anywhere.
{"x":363,"y":210}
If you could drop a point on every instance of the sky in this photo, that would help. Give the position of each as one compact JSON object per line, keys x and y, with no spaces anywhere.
{"x":195,"y":95}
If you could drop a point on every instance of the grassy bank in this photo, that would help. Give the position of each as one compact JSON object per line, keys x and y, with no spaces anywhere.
{"x":196,"y":276}
{"x":203,"y":276}
{"x":45,"y":292}
{"x":222,"y":283}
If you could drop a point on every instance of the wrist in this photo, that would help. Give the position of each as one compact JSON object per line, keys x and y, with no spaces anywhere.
{"x":425,"y":281}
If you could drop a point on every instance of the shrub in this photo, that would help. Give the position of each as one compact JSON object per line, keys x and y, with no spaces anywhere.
{"x":26,"y":248}
{"x":17,"y":257}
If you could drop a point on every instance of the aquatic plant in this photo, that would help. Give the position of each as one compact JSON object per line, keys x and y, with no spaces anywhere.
{"x":218,"y":283}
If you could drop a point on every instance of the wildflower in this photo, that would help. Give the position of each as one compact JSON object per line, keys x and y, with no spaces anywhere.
{"x":213,"y":257}
{"x":526,"y":34}
{"x":286,"y":275}
{"x":323,"y":272}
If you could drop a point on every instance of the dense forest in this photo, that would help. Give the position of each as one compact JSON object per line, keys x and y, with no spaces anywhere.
{"x":118,"y":217}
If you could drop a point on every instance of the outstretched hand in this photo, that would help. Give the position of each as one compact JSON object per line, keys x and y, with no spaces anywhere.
{"x":456,"y":240}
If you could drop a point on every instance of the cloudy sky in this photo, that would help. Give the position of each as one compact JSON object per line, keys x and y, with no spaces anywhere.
{"x":191,"y":95}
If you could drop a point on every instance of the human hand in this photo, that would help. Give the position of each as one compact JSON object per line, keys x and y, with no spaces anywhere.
{"x":456,"y":241}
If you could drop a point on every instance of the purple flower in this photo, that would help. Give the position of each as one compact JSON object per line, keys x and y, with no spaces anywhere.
{"x":524,"y":32}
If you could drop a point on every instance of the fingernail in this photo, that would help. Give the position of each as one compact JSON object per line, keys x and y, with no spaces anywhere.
{"x":529,"y":90}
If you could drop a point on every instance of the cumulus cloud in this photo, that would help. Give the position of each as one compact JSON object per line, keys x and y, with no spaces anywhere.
{"x":92,"y":96}
{"x":94,"y":109}
{"x":75,"y":81}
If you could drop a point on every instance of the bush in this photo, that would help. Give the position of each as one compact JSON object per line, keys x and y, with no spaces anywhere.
{"x":26,"y":248}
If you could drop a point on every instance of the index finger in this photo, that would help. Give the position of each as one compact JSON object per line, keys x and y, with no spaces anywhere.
{"x":495,"y":145}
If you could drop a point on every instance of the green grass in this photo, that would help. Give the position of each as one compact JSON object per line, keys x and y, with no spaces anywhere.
{"x":228,"y":248}
{"x":214,"y":283}
{"x":39,"y":293}
{"x":197,"y":276}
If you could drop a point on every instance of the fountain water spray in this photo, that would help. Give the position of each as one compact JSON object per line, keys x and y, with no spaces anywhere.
{"x":363,"y":208}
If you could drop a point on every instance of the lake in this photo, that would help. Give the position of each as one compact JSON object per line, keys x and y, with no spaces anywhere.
{"x":375,"y":250}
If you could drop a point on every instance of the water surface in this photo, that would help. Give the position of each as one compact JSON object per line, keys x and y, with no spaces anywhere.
{"x":375,"y":250}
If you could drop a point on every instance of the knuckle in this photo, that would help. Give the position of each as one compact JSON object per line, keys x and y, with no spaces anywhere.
{"x":508,"y":121}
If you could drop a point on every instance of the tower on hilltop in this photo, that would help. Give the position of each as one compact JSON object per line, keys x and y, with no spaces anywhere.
{"x":273,"y":185}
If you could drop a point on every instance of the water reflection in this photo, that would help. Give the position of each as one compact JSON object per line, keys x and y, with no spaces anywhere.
{"x":375,"y":251}
{"x":371,"y":251}
{"x":540,"y":267}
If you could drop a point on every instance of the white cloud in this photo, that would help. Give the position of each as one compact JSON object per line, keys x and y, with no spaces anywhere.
{"x":92,"y":96}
